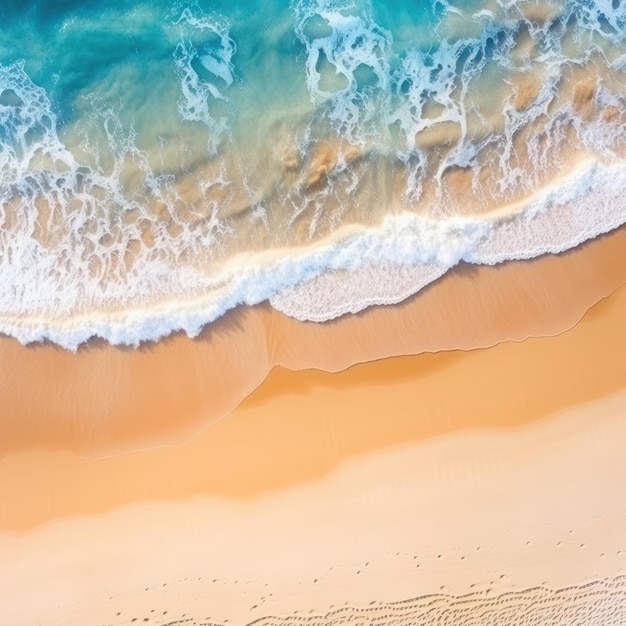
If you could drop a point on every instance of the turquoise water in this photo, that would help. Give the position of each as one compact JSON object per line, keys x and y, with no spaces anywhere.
{"x":162,"y":162}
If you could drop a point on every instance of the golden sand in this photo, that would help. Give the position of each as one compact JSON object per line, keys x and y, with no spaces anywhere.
{"x":444,"y":474}
{"x":300,"y":425}
{"x":488,"y":472}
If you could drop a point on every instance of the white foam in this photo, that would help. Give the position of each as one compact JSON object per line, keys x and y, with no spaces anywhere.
{"x":87,"y":271}
{"x":78,"y":265}
{"x":587,"y":203}
{"x":355,"y":42}
{"x":607,"y":18}
{"x":198,"y":94}
{"x":446,"y":74}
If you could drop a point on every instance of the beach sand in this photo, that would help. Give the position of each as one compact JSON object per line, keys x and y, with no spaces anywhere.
{"x":487,"y":512}
{"x":109,"y":400}
{"x":493,"y":472}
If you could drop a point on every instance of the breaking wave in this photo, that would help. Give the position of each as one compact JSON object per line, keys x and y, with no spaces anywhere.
{"x":326,"y":157}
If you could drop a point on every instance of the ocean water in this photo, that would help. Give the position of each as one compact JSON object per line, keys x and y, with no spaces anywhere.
{"x":162,"y":162}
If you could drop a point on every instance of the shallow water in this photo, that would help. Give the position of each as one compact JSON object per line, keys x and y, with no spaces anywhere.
{"x":163,"y":162}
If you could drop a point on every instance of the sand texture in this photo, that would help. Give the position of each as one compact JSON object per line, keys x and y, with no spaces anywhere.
{"x":477,"y":521}
{"x":446,"y":487}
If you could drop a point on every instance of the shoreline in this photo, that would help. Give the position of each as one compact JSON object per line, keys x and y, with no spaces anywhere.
{"x":106,"y":400}
{"x":508,"y":385}
{"x":438,"y":474}
{"x":419,"y":248}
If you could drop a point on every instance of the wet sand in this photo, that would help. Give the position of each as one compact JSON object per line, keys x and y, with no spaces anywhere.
{"x":488,"y":472}
{"x":300,"y":426}
{"x":107,"y":400}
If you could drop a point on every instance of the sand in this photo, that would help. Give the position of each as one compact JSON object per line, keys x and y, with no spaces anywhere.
{"x":492,"y":472}
{"x":106,"y":400}
{"x":487,"y":512}
{"x":490,"y":503}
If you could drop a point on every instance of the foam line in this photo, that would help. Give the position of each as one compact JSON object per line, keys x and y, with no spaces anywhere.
{"x":95,"y":240}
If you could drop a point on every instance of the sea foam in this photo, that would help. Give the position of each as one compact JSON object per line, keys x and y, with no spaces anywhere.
{"x":587,"y":203}
{"x":493,"y":137}
{"x":198,"y":94}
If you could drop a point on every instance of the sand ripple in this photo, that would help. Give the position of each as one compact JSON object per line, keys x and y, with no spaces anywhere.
{"x":601,"y":603}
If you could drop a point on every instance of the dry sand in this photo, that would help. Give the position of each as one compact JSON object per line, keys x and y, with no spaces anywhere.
{"x":486,"y":472}
{"x":485,"y":512}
